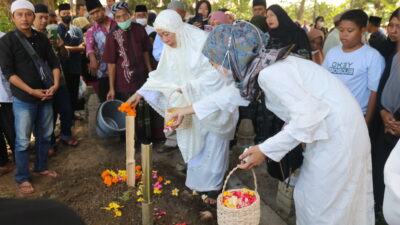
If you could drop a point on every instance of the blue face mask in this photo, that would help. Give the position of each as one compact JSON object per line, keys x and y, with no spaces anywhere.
{"x":125,"y":25}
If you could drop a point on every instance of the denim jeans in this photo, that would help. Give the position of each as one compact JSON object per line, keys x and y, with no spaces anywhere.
{"x":62,"y":106}
{"x":36,"y":118}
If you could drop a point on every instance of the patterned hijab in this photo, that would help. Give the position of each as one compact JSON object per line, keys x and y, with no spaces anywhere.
{"x":240,"y":48}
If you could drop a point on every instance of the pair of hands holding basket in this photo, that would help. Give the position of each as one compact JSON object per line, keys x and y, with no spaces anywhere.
{"x":249,"y":159}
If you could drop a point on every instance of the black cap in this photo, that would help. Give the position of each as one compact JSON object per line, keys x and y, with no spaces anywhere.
{"x":93,"y":4}
{"x":260,"y":2}
{"x":64,"y":6}
{"x":41,"y":8}
{"x":141,"y":8}
{"x":374,"y":20}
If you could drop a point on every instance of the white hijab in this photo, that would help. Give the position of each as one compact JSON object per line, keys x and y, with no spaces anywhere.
{"x":185,"y":67}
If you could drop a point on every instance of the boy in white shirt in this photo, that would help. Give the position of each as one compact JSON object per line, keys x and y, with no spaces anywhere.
{"x":359,"y":66}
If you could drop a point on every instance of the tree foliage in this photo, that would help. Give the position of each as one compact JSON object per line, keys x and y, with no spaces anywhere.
{"x":314,"y":8}
{"x":300,"y":9}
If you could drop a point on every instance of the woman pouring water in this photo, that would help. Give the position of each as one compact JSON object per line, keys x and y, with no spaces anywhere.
{"x":185,"y":77}
{"x":335,"y":182}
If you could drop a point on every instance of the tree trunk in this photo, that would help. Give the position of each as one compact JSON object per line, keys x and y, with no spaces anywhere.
{"x":315,"y":9}
{"x":301,"y":10}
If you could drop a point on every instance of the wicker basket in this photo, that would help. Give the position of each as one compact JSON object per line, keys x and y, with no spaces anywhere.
{"x":249,"y":215}
{"x":187,"y":120}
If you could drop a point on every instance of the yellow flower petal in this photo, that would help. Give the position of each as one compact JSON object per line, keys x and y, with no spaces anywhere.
{"x":175,"y":192}
{"x":117,"y":213}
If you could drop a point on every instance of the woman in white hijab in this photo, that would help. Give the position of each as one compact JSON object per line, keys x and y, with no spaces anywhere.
{"x":205,"y":145}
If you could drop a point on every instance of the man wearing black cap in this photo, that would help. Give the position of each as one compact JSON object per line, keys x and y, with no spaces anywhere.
{"x":73,"y":39}
{"x":374,"y":28}
{"x":61,"y":101}
{"x":259,"y":8}
{"x":95,"y":43}
{"x":142,"y":17}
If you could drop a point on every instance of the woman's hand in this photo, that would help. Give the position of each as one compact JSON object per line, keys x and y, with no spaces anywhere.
{"x":253,"y":157}
{"x":179,"y":114}
{"x":197,"y":24}
{"x":394,"y":129}
{"x":388,"y":121}
{"x":135,"y":99}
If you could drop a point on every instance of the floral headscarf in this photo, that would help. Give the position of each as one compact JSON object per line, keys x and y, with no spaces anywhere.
{"x":241,"y":49}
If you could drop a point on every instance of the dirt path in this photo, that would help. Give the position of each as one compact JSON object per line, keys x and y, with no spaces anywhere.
{"x":81,"y":187}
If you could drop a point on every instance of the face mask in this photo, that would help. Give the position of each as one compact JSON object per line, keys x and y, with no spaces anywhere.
{"x":86,"y":15}
{"x":227,"y":77}
{"x":320,"y":24}
{"x":66,"y":19}
{"x":142,"y":21}
{"x":125,"y":25}
{"x":314,"y":52}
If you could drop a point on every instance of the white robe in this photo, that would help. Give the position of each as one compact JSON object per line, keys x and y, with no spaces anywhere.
{"x":205,"y":144}
{"x":391,"y":202}
{"x":335,"y":183}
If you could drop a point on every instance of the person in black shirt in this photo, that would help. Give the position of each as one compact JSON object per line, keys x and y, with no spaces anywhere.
{"x":386,"y":129}
{"x":203,"y":10}
{"x":32,"y":107}
{"x":72,"y":65}
{"x":377,"y":36}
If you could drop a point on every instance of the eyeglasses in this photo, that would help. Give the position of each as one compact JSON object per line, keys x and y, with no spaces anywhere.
{"x":21,"y":14}
{"x":123,"y":16}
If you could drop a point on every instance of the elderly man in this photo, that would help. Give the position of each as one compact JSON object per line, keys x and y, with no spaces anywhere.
{"x":127,"y":53}
{"x":31,"y":91}
{"x":95,"y":43}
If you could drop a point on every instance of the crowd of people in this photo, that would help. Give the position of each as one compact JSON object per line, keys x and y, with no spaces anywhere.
{"x":334,"y":93}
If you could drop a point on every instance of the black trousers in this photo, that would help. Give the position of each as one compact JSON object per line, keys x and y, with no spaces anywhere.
{"x":381,"y":149}
{"x":72,"y":80}
{"x":104,"y":87}
{"x":7,"y":131}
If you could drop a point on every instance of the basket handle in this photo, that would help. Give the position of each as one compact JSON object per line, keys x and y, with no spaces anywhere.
{"x":170,"y":95}
{"x":230,"y":174}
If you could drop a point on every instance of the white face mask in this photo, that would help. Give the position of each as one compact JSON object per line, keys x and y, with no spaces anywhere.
{"x":314,"y":52}
{"x":142,"y":21}
{"x":320,"y":24}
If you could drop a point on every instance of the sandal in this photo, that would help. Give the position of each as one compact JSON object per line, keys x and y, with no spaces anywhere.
{"x":72,"y":142}
{"x":46,"y":173}
{"x":5,"y":169}
{"x":212,"y":197}
{"x":25,"y":188}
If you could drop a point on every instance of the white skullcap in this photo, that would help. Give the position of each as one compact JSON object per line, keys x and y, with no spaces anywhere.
{"x":22,"y":4}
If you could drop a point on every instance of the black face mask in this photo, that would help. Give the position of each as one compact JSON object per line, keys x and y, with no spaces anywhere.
{"x":66,"y":19}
